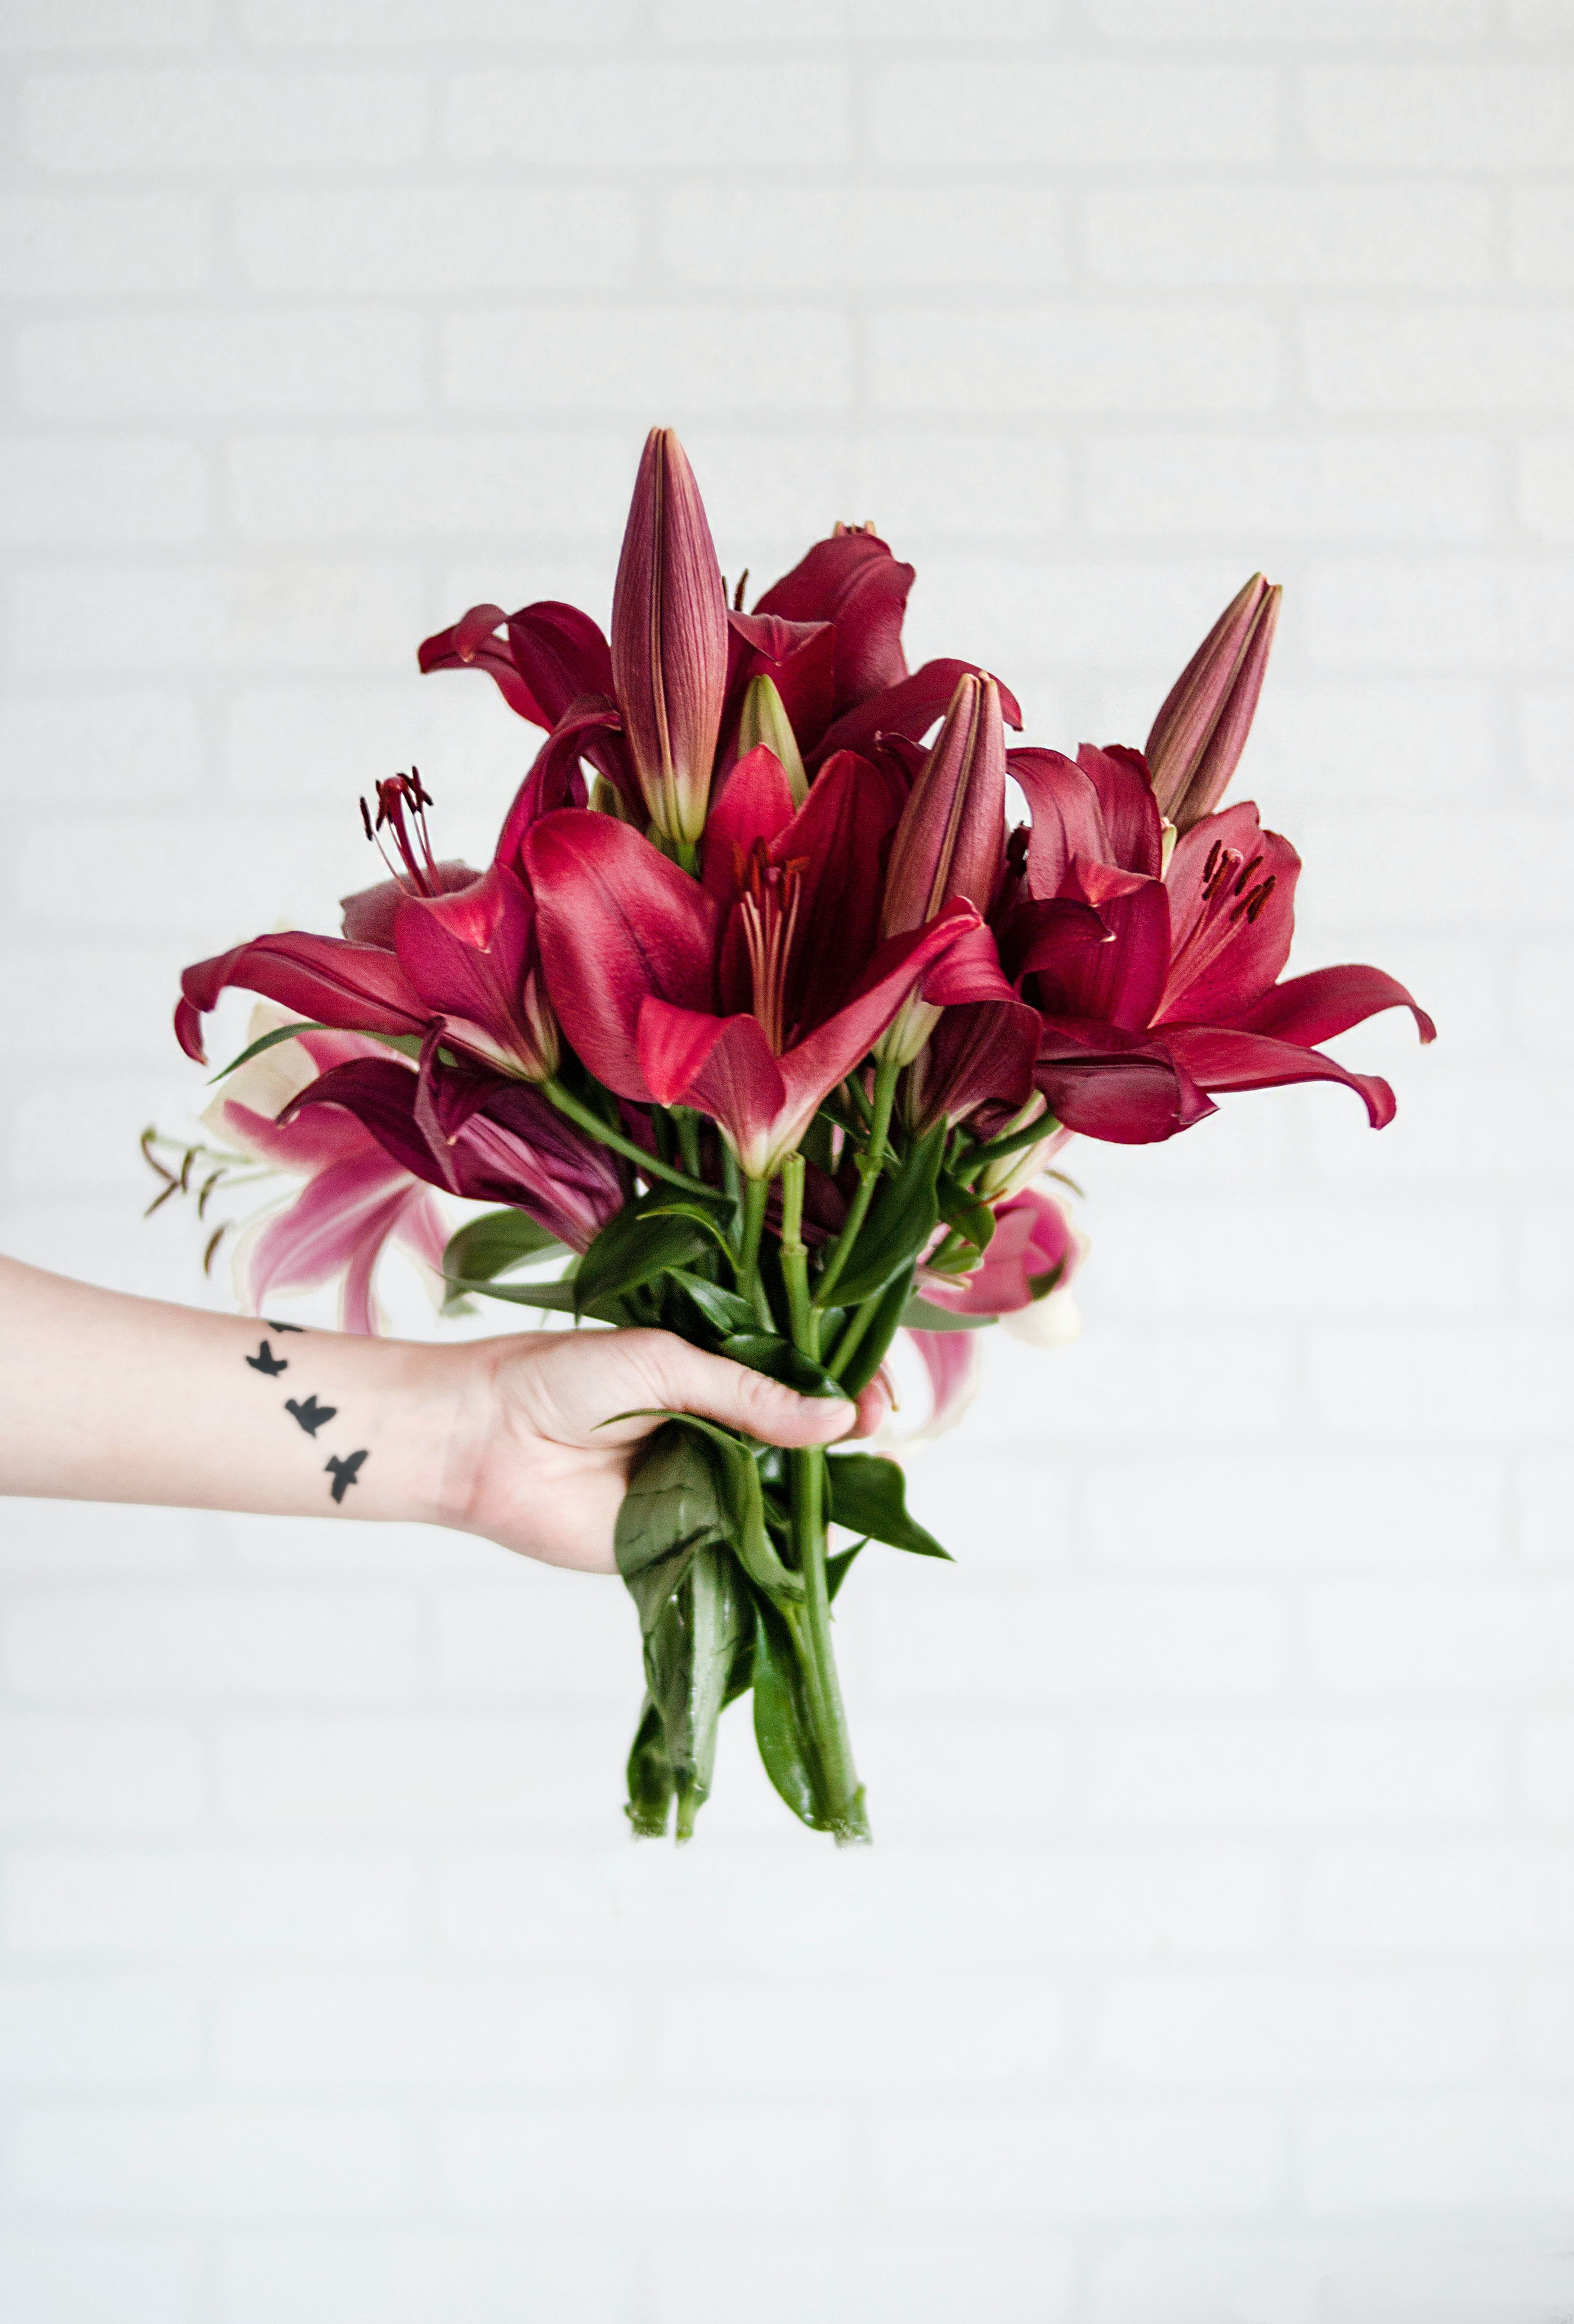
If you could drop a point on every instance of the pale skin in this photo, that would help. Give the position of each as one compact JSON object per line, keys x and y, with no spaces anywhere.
{"x":111,"y":1398}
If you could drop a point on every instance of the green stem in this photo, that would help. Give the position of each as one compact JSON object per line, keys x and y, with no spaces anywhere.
{"x":651,"y":1165}
{"x":870,"y":1164}
{"x":688,"y":1137}
{"x":996,"y":1150}
{"x":795,"y":1258}
{"x":857,"y":1324}
{"x":756,"y":1195}
{"x":811,"y":1622}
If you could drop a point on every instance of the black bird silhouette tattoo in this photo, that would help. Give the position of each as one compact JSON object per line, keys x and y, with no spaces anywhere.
{"x":283,"y":1327}
{"x":266,"y":1360}
{"x":311,"y":1414}
{"x":345,"y":1473}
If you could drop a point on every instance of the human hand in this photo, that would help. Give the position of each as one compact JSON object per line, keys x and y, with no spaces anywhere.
{"x":533,"y":1463}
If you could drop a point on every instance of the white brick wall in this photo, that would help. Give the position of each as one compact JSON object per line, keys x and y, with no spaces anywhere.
{"x":1220,"y":1943}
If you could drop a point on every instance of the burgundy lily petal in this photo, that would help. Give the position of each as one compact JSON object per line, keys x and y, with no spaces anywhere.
{"x":471,"y":956}
{"x":617,"y":923}
{"x":552,"y":654}
{"x":1131,"y":1095}
{"x":980,"y":1052}
{"x":381,"y":1094}
{"x":367,"y":917}
{"x":1107,"y":960}
{"x":1329,"y":1000}
{"x":1219,"y":1058}
{"x":814,"y":1065}
{"x":756,"y":805}
{"x":798,"y":657}
{"x":514,"y":1147}
{"x":839,"y":837}
{"x":852,"y":580}
{"x":357,"y":986}
{"x":670,"y":640}
{"x":1067,"y":820}
{"x":1232,"y":904}
{"x":721,"y":1064}
{"x":560,"y":654}
{"x":588,"y":729}
{"x":1128,"y":805}
{"x":472,"y":644}
{"x":909,"y":709}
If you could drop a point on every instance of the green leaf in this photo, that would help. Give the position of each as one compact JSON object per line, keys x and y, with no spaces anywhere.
{"x":661,"y":1203}
{"x":961,"y":1209}
{"x":920,"y":1315}
{"x":778,"y":1359}
{"x":868,"y":1496}
{"x":675,"y":1542}
{"x":838,"y":1568}
{"x":699,"y":1493}
{"x":722,"y":1310}
{"x":268,"y":1041}
{"x":634,"y":1249}
{"x":781,"y":1720}
{"x":903,"y":1216}
{"x":652,"y":1779}
{"x":408,"y":1045}
{"x":489,"y":1245}
{"x":741,"y":1505}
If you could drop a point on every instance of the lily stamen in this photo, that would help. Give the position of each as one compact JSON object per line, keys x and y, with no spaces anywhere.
{"x":769,"y":910}
{"x":401,"y":803}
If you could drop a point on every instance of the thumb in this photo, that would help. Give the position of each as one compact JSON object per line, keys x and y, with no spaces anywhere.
{"x":686,"y":1379}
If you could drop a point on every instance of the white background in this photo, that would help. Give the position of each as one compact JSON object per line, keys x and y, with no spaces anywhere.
{"x":1219,"y":1937}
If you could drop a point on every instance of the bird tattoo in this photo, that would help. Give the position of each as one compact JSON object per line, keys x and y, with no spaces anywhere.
{"x":266,"y":1360}
{"x":311,"y":1414}
{"x":345,"y":1473}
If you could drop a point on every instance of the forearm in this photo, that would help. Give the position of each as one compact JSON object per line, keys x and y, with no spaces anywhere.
{"x":108,"y":1397}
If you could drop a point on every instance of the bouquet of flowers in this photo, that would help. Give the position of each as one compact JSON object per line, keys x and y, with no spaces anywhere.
{"x":763,"y":1026}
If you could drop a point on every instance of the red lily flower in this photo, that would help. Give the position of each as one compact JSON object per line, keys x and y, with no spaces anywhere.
{"x":751,"y":994}
{"x":1152,"y":990}
{"x":438,"y":946}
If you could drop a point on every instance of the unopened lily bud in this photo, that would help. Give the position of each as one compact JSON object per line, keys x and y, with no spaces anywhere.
{"x":670,"y":642}
{"x":764,"y":719}
{"x":951,"y":839}
{"x":1200,"y":733}
{"x":952,"y":830}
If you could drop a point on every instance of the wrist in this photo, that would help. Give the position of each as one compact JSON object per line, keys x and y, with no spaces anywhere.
{"x":435,"y":1428}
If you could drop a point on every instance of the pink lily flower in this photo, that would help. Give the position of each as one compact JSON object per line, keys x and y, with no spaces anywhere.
{"x":355,"y":1201}
{"x":1025,"y":1276}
